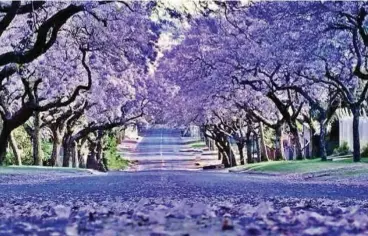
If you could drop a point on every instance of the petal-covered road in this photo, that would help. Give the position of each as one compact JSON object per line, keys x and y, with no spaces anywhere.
{"x":175,"y":202}
{"x":180,"y":203}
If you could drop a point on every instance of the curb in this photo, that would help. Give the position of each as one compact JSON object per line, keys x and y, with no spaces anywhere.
{"x":95,"y":172}
{"x":251,"y":172}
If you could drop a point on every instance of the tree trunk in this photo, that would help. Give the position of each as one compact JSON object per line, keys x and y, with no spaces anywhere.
{"x":315,"y":139}
{"x":232,"y":156}
{"x":68,"y":151}
{"x":322,"y":139}
{"x":264,"y":154}
{"x":4,"y":137}
{"x":101,"y":163}
{"x":209,"y":145}
{"x":99,"y":149}
{"x":104,"y":163}
{"x":219,"y":151}
{"x":279,"y":146}
{"x":74,"y":152}
{"x":228,"y":157}
{"x":241,"y":152}
{"x":55,"y":156}
{"x":37,"y":148}
{"x":56,"y":148}
{"x":356,"y":139}
{"x":82,"y":154}
{"x":248,"y":144}
{"x":208,"y":142}
{"x":83,"y":159}
{"x":225,"y":152}
{"x":91,"y":159}
{"x":14,"y":146}
{"x":258,"y":148}
{"x":298,"y":146}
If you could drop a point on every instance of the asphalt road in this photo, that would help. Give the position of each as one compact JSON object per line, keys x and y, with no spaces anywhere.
{"x":160,"y":150}
{"x":176,"y":202}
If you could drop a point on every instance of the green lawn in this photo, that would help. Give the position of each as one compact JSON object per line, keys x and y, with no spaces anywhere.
{"x":30,"y":169}
{"x":198,"y":145}
{"x":297,"y":166}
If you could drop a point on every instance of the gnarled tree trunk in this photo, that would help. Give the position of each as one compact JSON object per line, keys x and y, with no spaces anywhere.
{"x":228,"y":156}
{"x":248,"y":144}
{"x":92,"y":159}
{"x":298,"y":146}
{"x":356,"y":139}
{"x":82,"y":154}
{"x":212,"y":146}
{"x":68,"y":151}
{"x":36,"y":140}
{"x":4,"y":137}
{"x":264,"y":154}
{"x":74,"y":152}
{"x":56,"y":148}
{"x":322,"y":138}
{"x":14,"y":146}
{"x":258,"y":147}
{"x":225,"y":152}
{"x":241,"y":152}
{"x":219,"y":151}
{"x":100,"y":154}
{"x":219,"y":154}
{"x":279,"y":155}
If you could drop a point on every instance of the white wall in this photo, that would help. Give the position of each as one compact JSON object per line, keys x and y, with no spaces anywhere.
{"x":346,"y":131}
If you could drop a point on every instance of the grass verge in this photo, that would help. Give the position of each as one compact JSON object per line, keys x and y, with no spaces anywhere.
{"x":305,"y":166}
{"x":30,"y":169}
{"x":198,"y":145}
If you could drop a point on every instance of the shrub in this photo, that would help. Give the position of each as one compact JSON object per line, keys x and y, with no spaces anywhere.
{"x":365,"y":151}
{"x":46,"y":148}
{"x":24,"y":144}
{"x":9,"y":158}
{"x":114,"y":160}
{"x":343,"y":149}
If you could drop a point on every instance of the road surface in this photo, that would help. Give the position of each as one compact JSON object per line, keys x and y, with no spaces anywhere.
{"x":160,"y":149}
{"x":176,"y":202}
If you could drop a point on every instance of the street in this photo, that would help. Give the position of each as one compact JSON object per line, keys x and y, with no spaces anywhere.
{"x":176,"y":202}
{"x":178,"y":118}
{"x":160,"y":150}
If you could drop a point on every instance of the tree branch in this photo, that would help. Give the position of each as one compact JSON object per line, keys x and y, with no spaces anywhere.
{"x":76,"y":92}
{"x":8,"y":18}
